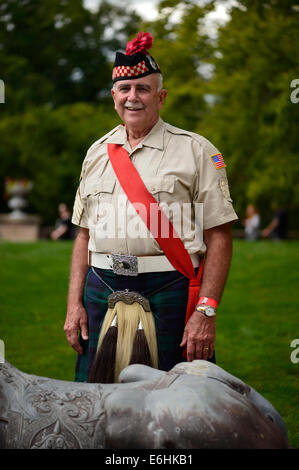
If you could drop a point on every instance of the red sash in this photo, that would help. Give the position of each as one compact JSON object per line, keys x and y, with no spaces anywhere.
{"x":171,"y":245}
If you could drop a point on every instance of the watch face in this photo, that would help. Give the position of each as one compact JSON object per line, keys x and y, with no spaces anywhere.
{"x":209,"y":311}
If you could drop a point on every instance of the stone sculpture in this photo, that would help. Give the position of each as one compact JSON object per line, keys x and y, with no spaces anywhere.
{"x":194,"y":406}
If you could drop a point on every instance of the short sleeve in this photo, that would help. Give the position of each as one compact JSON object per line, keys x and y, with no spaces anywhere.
{"x":212,"y":188}
{"x":79,"y":216}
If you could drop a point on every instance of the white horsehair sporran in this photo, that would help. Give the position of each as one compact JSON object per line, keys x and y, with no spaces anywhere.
{"x":128,"y":332}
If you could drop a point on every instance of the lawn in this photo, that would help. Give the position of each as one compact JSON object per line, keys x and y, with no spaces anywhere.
{"x":256,"y":324}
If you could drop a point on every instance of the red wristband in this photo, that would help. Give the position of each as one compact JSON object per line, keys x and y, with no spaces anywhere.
{"x":208,"y":301}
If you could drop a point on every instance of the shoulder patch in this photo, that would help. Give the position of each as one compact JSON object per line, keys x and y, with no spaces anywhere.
{"x":218,"y":161}
{"x":223,"y":183}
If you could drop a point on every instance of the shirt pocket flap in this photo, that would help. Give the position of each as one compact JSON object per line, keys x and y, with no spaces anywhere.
{"x":104,"y":186}
{"x":158,"y":184}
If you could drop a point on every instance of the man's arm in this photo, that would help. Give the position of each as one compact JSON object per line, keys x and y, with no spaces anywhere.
{"x":59,"y":231}
{"x":76,"y":318}
{"x":200,"y":331}
{"x":269,"y":229}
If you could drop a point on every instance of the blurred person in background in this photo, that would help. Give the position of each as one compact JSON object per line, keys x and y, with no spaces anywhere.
{"x":278,"y":228}
{"x":64,"y":229}
{"x":252,"y":223}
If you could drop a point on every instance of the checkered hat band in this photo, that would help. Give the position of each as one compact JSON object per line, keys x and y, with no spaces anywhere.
{"x":127,"y":71}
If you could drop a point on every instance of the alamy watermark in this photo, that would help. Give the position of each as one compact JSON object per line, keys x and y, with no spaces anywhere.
{"x":132,"y":221}
{"x":294,"y":95}
{"x":2,"y":352}
{"x":295,"y":354}
{"x":2,"y":91}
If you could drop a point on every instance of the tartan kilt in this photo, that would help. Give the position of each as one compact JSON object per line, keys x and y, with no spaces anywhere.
{"x":168,"y":307}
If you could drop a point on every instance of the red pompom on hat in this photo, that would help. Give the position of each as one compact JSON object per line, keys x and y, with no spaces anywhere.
{"x":136,"y":62}
{"x":142,"y":43}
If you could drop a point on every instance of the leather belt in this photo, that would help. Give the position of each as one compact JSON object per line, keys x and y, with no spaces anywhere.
{"x":130,"y":265}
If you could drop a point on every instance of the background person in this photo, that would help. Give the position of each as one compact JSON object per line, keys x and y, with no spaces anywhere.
{"x":64,"y":229}
{"x":278,"y":227}
{"x":252,"y":223}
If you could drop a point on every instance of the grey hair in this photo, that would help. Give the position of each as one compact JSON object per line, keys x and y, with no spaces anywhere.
{"x":160,"y":81}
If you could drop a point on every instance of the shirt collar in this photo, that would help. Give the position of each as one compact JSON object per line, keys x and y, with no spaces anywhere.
{"x":154,"y":139}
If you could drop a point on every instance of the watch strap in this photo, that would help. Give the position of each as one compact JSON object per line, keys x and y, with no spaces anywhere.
{"x":207,"y":301}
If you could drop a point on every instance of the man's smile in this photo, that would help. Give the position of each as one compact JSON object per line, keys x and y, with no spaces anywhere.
{"x":130,"y":107}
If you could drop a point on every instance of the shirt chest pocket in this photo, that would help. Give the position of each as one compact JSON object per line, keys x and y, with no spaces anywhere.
{"x":161,"y":187}
{"x":96,"y":195}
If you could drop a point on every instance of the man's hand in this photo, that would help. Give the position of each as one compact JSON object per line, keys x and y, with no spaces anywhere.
{"x":76,"y":320}
{"x":199,"y":336}
{"x":200,"y":331}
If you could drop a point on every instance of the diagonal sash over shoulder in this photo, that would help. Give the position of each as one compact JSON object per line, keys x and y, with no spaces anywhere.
{"x":172,"y":245}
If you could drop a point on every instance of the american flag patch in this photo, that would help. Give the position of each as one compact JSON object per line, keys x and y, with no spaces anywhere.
{"x":218,"y":161}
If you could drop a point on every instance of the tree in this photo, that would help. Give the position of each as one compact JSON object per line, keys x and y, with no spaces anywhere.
{"x":56,"y":52}
{"x":49,"y":150}
{"x":181,"y":47}
{"x":55,"y":62}
{"x":253,"y":119}
{"x":244,"y":105}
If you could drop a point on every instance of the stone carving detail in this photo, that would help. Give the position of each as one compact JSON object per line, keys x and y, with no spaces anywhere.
{"x":55,"y":436}
{"x":195,"y":405}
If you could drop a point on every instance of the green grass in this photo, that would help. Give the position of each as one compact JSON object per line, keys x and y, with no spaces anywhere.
{"x":256,"y":323}
{"x":34,"y":282}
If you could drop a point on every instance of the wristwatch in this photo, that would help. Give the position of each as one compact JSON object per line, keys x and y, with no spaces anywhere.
{"x":206,"y":310}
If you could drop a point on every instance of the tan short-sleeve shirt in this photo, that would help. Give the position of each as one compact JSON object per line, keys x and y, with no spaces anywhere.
{"x":181,"y":171}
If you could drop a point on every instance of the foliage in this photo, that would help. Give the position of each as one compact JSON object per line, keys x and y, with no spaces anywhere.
{"x":55,"y":63}
{"x":231,"y":84}
{"x":50,"y":147}
{"x":234,"y":88}
{"x":181,"y":48}
{"x":56,"y":52}
{"x":253,"y":119}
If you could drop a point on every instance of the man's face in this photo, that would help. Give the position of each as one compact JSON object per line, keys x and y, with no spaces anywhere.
{"x":138,"y":102}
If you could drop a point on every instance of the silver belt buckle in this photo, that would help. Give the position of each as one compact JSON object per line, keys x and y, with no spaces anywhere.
{"x":126,"y":265}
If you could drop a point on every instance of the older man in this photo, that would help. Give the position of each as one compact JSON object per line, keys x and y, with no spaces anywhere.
{"x":177,"y":168}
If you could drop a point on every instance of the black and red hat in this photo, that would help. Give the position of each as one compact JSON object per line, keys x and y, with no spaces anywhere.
{"x":136,"y":62}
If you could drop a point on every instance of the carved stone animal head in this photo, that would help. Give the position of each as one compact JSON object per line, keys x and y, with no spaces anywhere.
{"x":194,"y":406}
